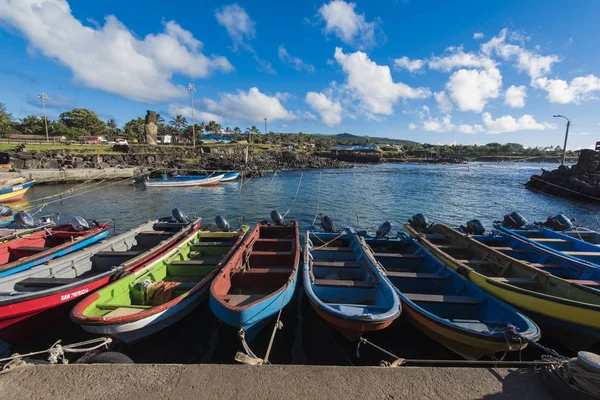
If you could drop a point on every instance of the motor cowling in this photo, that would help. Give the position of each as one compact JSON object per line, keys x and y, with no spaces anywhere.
{"x":559,"y":222}
{"x":474,"y":227}
{"x":514,"y":220}
{"x":419,"y":222}
{"x":5,"y":211}
{"x":327,"y":224}
{"x":24,"y":220}
{"x":276,"y":217}
{"x":222,"y":223}
{"x":384,"y":229}
{"x":179,"y":216}
{"x":79,"y":224}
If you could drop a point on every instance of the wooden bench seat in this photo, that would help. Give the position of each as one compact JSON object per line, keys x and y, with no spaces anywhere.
{"x":550,"y":240}
{"x":476,"y":262}
{"x":344,"y":283}
{"x":546,"y":266}
{"x":505,"y":249}
{"x":585,"y":282}
{"x":413,"y":275}
{"x":274,"y":241}
{"x":30,"y":249}
{"x":398,"y":255}
{"x":514,"y":281}
{"x":211,"y":244}
{"x":452,"y":247}
{"x":435,"y":236}
{"x":242,"y":299}
{"x":441,"y":298}
{"x":201,"y":261}
{"x":272,"y":253}
{"x":47,"y":282}
{"x":118,"y":253}
{"x":317,"y":248}
{"x":582,"y":253}
{"x":269,"y":270}
{"x":155,"y":233}
{"x":336,"y":264}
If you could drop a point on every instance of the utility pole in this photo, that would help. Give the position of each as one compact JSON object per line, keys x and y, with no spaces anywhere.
{"x":562,"y":162}
{"x":43,"y":96}
{"x":265,"y":125}
{"x":192,"y":90}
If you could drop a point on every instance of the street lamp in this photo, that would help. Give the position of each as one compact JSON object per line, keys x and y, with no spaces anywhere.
{"x":562,"y":162}
{"x":265,"y":125}
{"x":43,"y":97}
{"x":192,"y":90}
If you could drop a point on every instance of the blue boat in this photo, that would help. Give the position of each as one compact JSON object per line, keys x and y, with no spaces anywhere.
{"x":445,"y":306}
{"x":259,"y":279}
{"x":344,"y":286}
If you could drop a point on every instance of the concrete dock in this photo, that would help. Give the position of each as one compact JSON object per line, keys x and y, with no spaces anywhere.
{"x":206,"y":381}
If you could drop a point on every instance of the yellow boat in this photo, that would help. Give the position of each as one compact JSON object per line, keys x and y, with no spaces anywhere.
{"x":10,"y":182}
{"x":15,"y":192}
{"x":568,"y":311}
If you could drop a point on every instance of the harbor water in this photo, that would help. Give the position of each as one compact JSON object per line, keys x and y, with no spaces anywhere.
{"x":361,"y":197}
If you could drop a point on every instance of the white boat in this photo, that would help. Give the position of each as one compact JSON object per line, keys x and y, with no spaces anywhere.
{"x":208,"y":181}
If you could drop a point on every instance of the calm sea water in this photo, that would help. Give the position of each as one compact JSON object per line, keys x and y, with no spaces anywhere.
{"x":360,"y":197}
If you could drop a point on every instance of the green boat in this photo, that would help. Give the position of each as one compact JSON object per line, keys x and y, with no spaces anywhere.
{"x":160,"y":294}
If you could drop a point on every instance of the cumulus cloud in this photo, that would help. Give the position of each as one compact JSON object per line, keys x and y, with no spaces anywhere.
{"x":248,"y":106}
{"x":444,"y":102}
{"x":371,"y":85}
{"x":238,"y":24}
{"x":294,"y":62}
{"x":470,"y":129}
{"x":455,"y":57}
{"x":342,"y":20}
{"x":563,"y":92}
{"x":509,"y":123}
{"x":439,"y":125}
{"x":329,"y":110}
{"x":110,"y":57}
{"x":534,"y":64}
{"x":412,"y":126}
{"x":478,"y":35}
{"x":309,"y":116}
{"x":515,"y":96}
{"x":199,"y":116}
{"x":406,"y":63}
{"x":472,"y":89}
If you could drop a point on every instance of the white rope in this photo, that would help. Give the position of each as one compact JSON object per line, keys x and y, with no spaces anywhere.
{"x":318,"y":199}
{"x":295,"y":196}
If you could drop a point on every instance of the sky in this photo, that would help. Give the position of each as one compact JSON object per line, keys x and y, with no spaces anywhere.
{"x":442,"y":72}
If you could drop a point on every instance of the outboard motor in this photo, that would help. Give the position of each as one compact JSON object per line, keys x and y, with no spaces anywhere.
{"x":474,"y":227}
{"x":419,"y":222}
{"x":276,"y":217}
{"x":559,"y":223}
{"x":5,"y":211}
{"x":327,"y":224}
{"x":179,"y":216}
{"x":24,"y":220}
{"x":384,"y":229}
{"x":222,"y":223}
{"x":514,"y":220}
{"x":79,"y":224}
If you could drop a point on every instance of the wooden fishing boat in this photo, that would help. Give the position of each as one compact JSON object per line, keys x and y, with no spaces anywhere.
{"x":560,"y":243}
{"x":161,"y":293}
{"x":445,"y":306}
{"x":568,"y":311}
{"x":259,"y":279}
{"x":178,"y":182}
{"x":15,"y":192}
{"x":29,"y":298}
{"x":345,"y":287}
{"x":24,"y":251}
{"x":230,"y":177}
{"x":10,"y":182}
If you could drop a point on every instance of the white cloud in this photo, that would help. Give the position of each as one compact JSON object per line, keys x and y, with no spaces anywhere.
{"x":412,"y":126}
{"x":478,"y":35}
{"x":294,"y":62}
{"x":515,"y":96}
{"x":329,"y":110}
{"x":238,"y":24}
{"x":406,"y":63}
{"x":437,"y":125}
{"x":352,"y":28}
{"x":309,"y":116}
{"x":563,"y":92}
{"x":508,"y":123}
{"x":248,"y":106}
{"x":199,"y":116}
{"x":534,"y":64}
{"x":470,"y":129}
{"x":444,"y":102}
{"x":372,"y":85}
{"x":110,"y":57}
{"x":264,"y":65}
{"x":455,"y":57}
{"x":472,"y":89}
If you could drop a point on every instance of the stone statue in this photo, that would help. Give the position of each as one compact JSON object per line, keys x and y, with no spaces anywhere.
{"x":151,"y":128}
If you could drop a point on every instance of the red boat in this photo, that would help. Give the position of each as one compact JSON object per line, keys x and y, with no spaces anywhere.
{"x":32,"y":298}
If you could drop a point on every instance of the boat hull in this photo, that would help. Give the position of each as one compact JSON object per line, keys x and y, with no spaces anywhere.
{"x":16,"y":192}
{"x":211,"y":181}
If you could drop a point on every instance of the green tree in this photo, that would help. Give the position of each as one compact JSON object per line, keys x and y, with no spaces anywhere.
{"x":32,"y":125}
{"x":6,"y":121}
{"x":134,"y":129}
{"x":112,"y":129}
{"x":84,"y":120}
{"x":179,"y":123}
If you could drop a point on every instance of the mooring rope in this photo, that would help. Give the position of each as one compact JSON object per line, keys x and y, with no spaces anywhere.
{"x":318,"y":199}
{"x":295,"y":196}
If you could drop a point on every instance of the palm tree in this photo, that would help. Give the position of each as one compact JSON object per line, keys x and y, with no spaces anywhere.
{"x":202,"y":128}
{"x":112,"y":127}
{"x":228,"y":131}
{"x":251,"y":131}
{"x":179,"y":123}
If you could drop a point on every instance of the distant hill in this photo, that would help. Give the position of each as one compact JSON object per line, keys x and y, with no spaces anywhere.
{"x":361,"y":139}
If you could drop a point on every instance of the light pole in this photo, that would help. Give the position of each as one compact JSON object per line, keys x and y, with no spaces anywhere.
{"x":265,"y":125}
{"x":562,"y":162}
{"x":43,"y":97}
{"x":192,"y":90}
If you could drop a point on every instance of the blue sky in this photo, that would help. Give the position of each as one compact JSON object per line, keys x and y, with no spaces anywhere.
{"x":431,"y":71}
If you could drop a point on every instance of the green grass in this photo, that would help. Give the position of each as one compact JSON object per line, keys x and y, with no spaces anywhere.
{"x":71,"y":148}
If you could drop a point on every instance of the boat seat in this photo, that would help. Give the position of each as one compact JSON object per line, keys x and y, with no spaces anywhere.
{"x":550,"y":240}
{"x":397,"y":255}
{"x":514,"y":281}
{"x":47,"y":282}
{"x":344,"y":283}
{"x":30,"y":249}
{"x":272,"y":253}
{"x":546,"y":266}
{"x":202,"y":261}
{"x":476,"y":262}
{"x":274,"y":240}
{"x":237,"y":300}
{"x":413,"y":275}
{"x":130,"y":253}
{"x":269,"y":270}
{"x":435,"y":236}
{"x":333,"y":249}
{"x":336,"y":264}
{"x":582,"y":253}
{"x":452,"y":247}
{"x":441,"y":298}
{"x":585,"y":282}
{"x":155,"y":233}
{"x":505,"y":249}
{"x":212,"y":244}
